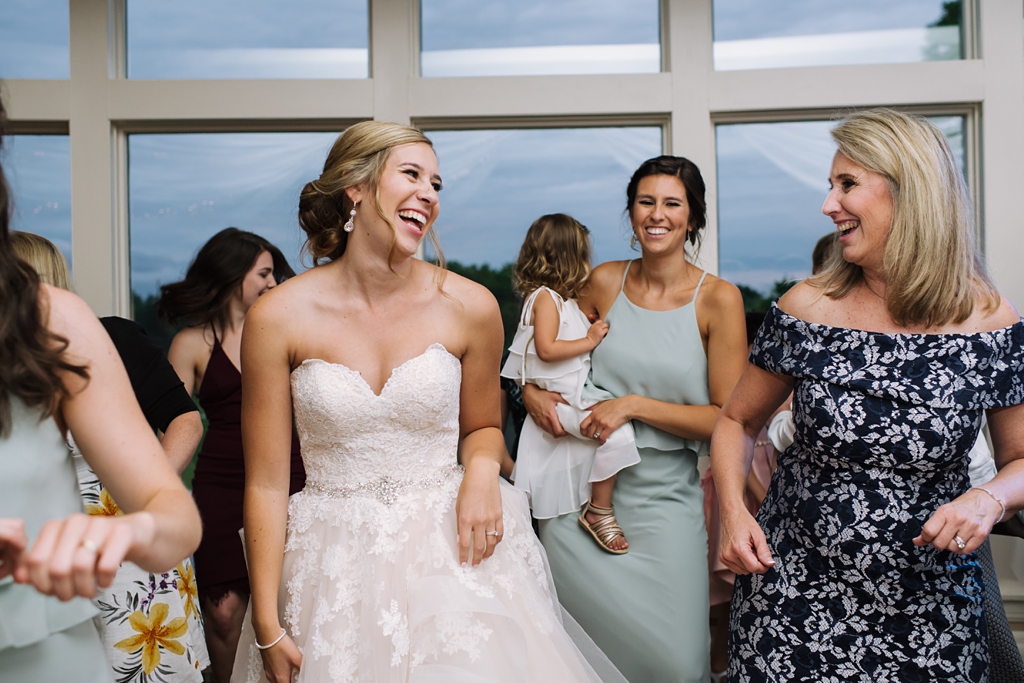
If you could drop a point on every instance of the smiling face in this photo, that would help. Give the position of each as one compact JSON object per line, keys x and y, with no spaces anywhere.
{"x":407,"y":191}
{"x":660,"y":214}
{"x":860,"y":204}
{"x":258,"y":281}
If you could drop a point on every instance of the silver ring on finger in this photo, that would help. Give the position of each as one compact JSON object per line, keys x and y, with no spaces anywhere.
{"x":491,"y":533}
{"x":597,"y":435}
{"x":90,"y":545}
{"x":960,"y":543}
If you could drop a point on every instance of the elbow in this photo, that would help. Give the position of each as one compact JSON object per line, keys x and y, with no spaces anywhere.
{"x":545,"y":353}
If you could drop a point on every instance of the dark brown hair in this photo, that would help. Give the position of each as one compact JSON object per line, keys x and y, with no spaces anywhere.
{"x":556,"y":255}
{"x":216,"y":273}
{"x":693,"y":183}
{"x":30,"y":355}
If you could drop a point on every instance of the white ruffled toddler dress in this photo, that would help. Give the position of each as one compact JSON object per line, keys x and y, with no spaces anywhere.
{"x":556,"y":472}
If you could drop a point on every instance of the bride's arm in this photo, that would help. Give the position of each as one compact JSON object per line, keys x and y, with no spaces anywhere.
{"x":266,"y":440}
{"x":482,"y":446}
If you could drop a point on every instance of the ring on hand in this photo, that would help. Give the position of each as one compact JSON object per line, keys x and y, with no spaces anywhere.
{"x":89,"y":545}
{"x":597,"y":435}
{"x":491,"y":533}
{"x":960,"y":543}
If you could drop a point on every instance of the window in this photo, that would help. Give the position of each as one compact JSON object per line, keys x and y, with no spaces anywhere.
{"x":248,"y":39}
{"x":534,"y":37}
{"x":772,"y":181}
{"x":34,"y":39}
{"x":38,"y":168}
{"x":750,"y":34}
{"x":497,"y":182}
{"x":184,"y":188}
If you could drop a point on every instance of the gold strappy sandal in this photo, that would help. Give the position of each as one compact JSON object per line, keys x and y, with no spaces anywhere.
{"x":604,"y":530}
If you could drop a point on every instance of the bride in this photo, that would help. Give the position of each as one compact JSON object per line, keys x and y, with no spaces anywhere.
{"x":395,"y":563}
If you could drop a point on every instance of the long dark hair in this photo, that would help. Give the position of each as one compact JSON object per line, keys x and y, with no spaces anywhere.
{"x":217,"y":271}
{"x":689,"y":175}
{"x":30,"y":355}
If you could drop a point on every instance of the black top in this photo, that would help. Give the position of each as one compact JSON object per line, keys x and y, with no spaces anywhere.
{"x":157,"y":387}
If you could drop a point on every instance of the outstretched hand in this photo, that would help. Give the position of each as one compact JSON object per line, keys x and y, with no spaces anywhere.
{"x":744,"y":546}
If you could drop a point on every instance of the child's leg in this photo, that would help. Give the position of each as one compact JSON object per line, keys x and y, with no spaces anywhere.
{"x":601,"y":496}
{"x":601,"y":492}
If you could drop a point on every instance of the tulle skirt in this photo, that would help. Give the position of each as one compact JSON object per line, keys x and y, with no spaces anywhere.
{"x":372,"y":591}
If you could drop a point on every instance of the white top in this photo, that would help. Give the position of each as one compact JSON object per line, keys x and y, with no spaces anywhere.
{"x":565,"y":377}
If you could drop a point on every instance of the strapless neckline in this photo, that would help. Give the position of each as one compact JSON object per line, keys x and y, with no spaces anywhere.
{"x":436,"y":346}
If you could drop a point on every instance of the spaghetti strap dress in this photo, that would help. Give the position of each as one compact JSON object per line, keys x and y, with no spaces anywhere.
{"x":648,"y":609}
{"x":219,"y":482}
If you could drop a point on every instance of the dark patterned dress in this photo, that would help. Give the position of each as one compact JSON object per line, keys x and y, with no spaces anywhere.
{"x":884,"y":423}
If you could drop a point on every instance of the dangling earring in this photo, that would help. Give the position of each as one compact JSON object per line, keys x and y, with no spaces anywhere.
{"x":350,"y":224}
{"x":632,"y":241}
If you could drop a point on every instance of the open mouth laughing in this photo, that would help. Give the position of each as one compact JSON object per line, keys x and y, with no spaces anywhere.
{"x":846,"y":227}
{"x":413,"y":219}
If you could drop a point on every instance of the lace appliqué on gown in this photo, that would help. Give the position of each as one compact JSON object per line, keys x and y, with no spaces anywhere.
{"x":884,"y":425}
{"x":371,"y":585}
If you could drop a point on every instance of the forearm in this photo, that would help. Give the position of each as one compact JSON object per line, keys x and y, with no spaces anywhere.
{"x":165,"y":530}
{"x":732,"y":450}
{"x":1008,"y":485}
{"x":483,"y":449}
{"x":181,"y":439}
{"x":265,"y":522}
{"x":689,"y":422}
{"x":562,"y":349}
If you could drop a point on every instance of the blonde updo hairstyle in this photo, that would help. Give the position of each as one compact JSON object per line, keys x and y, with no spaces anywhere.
{"x":44,"y":257}
{"x":931,"y":261}
{"x":357,"y":157}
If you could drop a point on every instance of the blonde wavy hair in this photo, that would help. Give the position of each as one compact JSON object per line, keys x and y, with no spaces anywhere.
{"x":44,"y":257}
{"x":556,"y":255}
{"x":357,"y":157}
{"x":935,"y":273}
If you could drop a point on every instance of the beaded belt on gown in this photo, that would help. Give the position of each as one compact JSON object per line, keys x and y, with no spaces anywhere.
{"x":387,"y":489}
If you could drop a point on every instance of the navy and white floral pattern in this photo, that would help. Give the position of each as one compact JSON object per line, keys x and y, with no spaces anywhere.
{"x":884,"y":423}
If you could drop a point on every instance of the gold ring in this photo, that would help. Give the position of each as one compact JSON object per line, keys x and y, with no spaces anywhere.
{"x":89,"y":545}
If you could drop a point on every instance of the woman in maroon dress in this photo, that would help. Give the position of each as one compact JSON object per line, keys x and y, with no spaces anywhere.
{"x":228,"y":274}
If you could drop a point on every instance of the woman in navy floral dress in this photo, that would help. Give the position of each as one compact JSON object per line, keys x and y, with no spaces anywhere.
{"x":864,"y":570}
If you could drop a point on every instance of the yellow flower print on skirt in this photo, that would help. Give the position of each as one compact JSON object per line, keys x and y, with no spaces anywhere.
{"x":152,"y":636}
{"x":150,"y":624}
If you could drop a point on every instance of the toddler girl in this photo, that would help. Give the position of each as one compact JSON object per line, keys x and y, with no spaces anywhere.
{"x":552,"y":349}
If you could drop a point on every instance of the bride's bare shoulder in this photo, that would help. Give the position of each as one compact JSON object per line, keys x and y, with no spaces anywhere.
{"x":475,"y":299}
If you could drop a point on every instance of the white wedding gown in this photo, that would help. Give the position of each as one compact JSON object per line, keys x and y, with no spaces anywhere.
{"x":371,"y":588}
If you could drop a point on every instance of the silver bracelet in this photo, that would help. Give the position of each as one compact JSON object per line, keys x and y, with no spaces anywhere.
{"x":996,"y":499}
{"x":270,"y":645}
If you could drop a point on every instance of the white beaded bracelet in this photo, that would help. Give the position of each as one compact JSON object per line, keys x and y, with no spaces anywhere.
{"x":996,"y":499}
{"x":270,"y":645}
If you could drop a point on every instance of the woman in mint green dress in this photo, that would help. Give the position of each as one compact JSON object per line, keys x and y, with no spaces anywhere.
{"x":675,"y":349}
{"x":59,"y":372}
